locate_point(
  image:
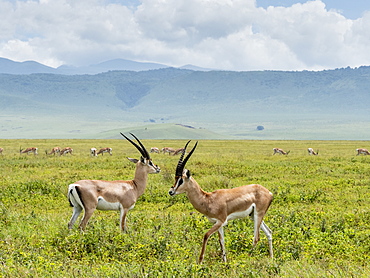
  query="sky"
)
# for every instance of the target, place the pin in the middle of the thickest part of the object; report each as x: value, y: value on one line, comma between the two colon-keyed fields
x: 237, y: 35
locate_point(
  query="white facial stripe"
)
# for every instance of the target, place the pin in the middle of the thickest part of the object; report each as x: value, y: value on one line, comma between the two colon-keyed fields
x: 178, y: 183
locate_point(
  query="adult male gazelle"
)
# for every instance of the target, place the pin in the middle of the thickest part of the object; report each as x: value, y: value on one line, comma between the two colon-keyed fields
x: 28, y: 150
x: 223, y: 205
x: 362, y: 151
x: 104, y: 150
x: 66, y: 150
x: 312, y: 152
x: 121, y: 195
x: 53, y: 151
x: 280, y: 151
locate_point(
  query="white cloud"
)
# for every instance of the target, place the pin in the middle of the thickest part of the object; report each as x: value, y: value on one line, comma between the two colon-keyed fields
x: 224, y: 34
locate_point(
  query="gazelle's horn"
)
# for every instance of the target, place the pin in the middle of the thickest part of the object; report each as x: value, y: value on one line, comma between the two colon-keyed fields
x: 141, y: 149
x: 147, y: 156
x: 181, y: 164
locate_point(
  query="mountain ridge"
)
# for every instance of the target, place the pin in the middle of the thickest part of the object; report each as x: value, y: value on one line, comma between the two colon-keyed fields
x: 8, y: 66
x: 328, y: 105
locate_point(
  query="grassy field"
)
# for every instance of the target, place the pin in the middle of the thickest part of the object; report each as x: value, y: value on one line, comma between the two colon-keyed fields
x: 320, y: 216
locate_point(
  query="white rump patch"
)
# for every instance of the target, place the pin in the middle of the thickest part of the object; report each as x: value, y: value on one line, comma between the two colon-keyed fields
x: 104, y: 205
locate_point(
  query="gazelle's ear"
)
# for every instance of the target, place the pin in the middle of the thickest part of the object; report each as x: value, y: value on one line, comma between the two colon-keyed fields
x: 133, y: 160
x: 188, y: 174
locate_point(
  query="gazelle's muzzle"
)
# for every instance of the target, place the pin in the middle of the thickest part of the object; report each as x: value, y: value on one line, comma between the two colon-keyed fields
x: 174, y: 188
x: 157, y: 168
x: 172, y: 191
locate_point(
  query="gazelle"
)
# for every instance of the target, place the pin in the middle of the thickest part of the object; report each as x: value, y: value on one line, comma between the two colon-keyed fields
x: 121, y: 195
x: 168, y: 150
x: 280, y: 151
x: 93, y: 151
x: 28, y: 150
x: 53, y: 151
x: 312, y: 152
x: 223, y: 205
x: 154, y: 150
x: 1, y: 151
x: 104, y: 150
x: 178, y: 151
x: 362, y: 151
x: 66, y: 150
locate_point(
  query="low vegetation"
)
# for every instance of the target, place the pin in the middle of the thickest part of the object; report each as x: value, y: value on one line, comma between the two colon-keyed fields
x: 320, y: 216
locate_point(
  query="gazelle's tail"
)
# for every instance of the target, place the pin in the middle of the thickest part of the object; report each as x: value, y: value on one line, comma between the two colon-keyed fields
x: 74, y: 196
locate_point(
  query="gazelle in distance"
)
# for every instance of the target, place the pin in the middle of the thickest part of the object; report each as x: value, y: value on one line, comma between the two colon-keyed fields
x: 53, y: 151
x: 280, y: 151
x: 312, y: 152
x: 29, y: 150
x: 168, y: 150
x: 362, y: 151
x: 178, y: 151
x: 223, y: 205
x: 1, y: 151
x: 154, y: 150
x: 104, y: 150
x: 93, y: 151
x: 120, y: 195
x: 66, y: 150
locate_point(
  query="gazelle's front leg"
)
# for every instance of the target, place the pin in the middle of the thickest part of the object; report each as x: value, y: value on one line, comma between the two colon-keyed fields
x: 222, y: 243
x: 206, y: 237
x: 87, y: 215
x: 123, y: 214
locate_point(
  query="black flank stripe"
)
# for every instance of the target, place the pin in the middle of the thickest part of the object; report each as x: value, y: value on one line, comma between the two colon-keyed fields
x: 79, y: 195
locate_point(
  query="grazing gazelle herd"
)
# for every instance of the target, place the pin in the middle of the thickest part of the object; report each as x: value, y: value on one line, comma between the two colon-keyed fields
x: 95, y: 152
x: 220, y: 206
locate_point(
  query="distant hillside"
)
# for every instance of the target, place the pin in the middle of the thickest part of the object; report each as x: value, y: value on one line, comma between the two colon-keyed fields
x: 162, y: 131
x: 29, y: 67
x: 331, y: 104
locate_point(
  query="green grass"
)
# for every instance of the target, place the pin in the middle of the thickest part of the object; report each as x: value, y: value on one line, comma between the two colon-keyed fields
x: 320, y: 216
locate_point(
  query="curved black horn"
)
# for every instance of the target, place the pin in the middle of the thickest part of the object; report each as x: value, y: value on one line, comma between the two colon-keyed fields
x: 147, y: 156
x: 181, y: 164
x: 142, y: 149
x: 179, y: 167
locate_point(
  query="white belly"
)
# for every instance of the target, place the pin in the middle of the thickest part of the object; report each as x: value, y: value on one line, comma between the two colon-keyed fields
x: 104, y: 205
x: 241, y: 214
x: 235, y: 215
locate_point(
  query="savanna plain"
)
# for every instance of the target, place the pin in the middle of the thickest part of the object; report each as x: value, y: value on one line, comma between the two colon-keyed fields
x: 320, y: 215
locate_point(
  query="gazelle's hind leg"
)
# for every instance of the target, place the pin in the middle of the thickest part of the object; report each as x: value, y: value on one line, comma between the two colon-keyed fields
x: 257, y: 224
x: 88, y: 213
x: 268, y: 233
x: 76, y: 212
x: 257, y: 219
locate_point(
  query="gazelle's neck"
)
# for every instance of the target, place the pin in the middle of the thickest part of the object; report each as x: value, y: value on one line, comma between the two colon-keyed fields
x: 197, y: 196
x: 140, y: 179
